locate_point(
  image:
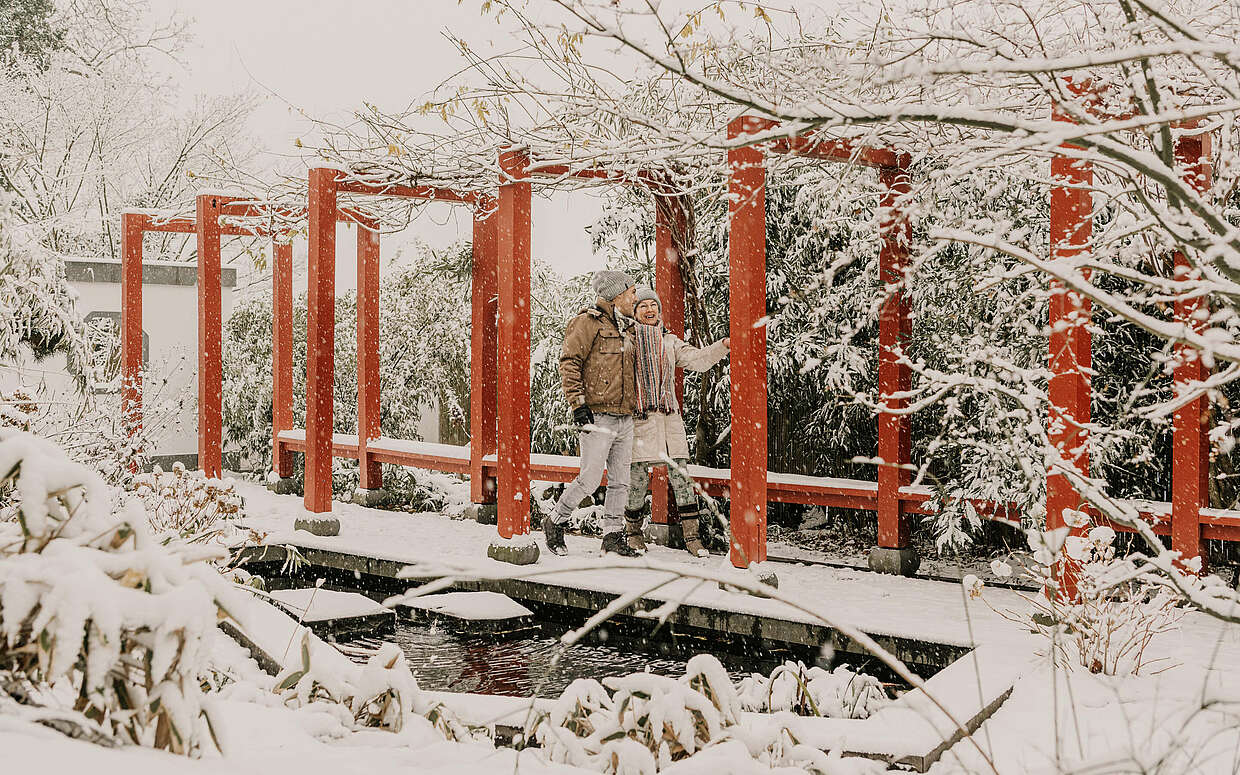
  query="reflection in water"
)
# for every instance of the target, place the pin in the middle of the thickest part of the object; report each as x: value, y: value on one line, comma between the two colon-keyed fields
x: 517, y: 667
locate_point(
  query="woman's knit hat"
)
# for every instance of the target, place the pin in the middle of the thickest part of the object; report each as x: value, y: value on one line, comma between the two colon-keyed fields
x: 645, y: 292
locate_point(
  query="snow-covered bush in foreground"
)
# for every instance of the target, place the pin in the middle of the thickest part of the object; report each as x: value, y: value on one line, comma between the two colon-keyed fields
x: 105, y: 628
x: 97, y: 618
x: 838, y: 693
x: 383, y: 693
x: 186, y: 503
x: 1118, y: 610
x: 643, y: 723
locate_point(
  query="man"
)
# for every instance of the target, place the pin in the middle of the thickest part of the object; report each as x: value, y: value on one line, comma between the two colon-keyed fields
x: 597, y: 372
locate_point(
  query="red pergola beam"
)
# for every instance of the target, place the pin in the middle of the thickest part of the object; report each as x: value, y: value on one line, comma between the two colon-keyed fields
x: 565, y: 171
x: 747, y: 278
x: 323, y: 212
x: 747, y: 315
x: 281, y: 355
x: 513, y: 275
x: 1190, y: 445
x: 669, y: 218
x: 433, y: 193
x: 131, y: 323
x: 320, y: 338
x: 1070, y: 358
x: 484, y: 357
x: 370, y: 472
x: 210, y: 335
x: 838, y: 150
x: 894, y: 441
x: 186, y: 226
x: 208, y: 230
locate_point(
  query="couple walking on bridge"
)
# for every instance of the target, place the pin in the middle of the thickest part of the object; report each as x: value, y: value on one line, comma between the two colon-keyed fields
x: 618, y: 370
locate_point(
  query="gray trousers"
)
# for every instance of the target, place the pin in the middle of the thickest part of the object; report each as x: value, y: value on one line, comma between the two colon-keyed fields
x: 608, y: 443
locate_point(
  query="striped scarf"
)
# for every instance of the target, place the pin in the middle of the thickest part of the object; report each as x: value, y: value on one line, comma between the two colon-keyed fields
x: 655, y: 381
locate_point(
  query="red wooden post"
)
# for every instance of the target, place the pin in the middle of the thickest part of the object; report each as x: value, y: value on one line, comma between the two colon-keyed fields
x: 320, y: 339
x: 131, y: 323
x: 371, y: 473
x: 747, y: 288
x: 1071, y: 228
x: 668, y: 217
x: 281, y: 354
x: 894, y: 529
x: 210, y: 328
x: 513, y: 248
x: 483, y: 360
x: 1190, y: 446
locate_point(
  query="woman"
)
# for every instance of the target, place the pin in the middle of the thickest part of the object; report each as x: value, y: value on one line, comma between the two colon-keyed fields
x: 658, y: 427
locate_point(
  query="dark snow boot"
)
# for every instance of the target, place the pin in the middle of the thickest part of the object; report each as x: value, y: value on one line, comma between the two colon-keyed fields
x: 689, y: 529
x: 616, y: 543
x: 554, y: 535
x: 633, y: 530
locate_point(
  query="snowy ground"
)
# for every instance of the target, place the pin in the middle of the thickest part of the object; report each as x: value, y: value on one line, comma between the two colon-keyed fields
x: 261, y: 740
x: 1047, y: 725
x: 1182, y: 720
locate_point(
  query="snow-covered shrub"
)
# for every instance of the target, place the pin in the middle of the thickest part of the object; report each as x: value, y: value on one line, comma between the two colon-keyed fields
x: 100, y: 622
x: 813, y: 691
x: 17, y: 409
x: 383, y: 693
x: 416, y: 490
x: 38, y: 308
x: 1118, y: 609
x: 640, y: 724
x: 186, y: 503
x: 105, y: 628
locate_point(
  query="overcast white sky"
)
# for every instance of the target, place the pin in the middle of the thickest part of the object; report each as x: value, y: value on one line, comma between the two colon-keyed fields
x: 326, y: 57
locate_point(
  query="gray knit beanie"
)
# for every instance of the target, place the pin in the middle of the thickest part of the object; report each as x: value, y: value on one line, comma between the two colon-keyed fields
x: 609, y: 284
x: 645, y: 292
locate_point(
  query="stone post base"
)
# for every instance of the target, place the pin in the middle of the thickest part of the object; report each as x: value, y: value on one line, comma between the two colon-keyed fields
x: 659, y: 534
x: 523, y: 554
x: 319, y: 525
x: 286, y: 485
x: 898, y: 562
x: 377, y: 498
x: 482, y: 513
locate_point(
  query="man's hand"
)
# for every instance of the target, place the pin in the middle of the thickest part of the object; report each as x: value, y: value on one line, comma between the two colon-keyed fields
x: 727, y: 343
x: 583, y: 416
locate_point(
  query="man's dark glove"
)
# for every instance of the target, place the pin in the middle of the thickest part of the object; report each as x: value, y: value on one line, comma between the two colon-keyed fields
x: 583, y: 416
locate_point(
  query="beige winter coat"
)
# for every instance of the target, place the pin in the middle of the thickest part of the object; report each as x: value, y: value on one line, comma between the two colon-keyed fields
x: 661, y: 434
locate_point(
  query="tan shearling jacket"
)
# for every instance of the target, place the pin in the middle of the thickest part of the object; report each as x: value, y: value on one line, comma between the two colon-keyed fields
x: 598, y: 362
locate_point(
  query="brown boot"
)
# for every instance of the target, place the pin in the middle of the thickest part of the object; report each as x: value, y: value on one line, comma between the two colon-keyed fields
x: 633, y: 531
x: 693, y: 542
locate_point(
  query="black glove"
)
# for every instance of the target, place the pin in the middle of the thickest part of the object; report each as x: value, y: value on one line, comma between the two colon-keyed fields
x: 583, y: 416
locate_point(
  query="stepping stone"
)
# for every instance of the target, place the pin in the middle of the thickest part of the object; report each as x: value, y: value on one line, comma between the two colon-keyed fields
x: 471, y: 612
x: 335, y: 614
x: 274, y: 639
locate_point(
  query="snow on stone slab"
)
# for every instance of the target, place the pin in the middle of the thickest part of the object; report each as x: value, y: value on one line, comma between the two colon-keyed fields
x: 278, y: 636
x: 322, y: 605
x: 471, y: 606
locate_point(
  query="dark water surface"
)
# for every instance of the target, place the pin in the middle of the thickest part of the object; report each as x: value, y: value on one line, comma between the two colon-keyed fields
x: 523, y: 666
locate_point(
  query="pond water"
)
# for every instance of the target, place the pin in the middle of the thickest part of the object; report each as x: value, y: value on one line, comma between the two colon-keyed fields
x: 525, y: 665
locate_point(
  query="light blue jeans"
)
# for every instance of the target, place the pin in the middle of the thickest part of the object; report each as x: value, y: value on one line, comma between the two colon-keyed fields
x: 607, y: 444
